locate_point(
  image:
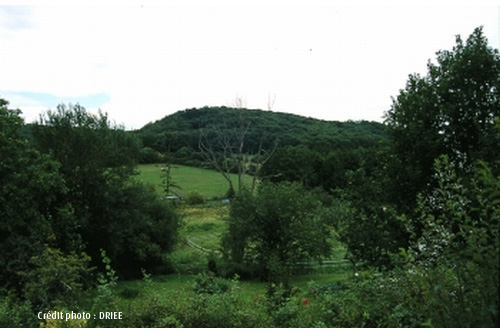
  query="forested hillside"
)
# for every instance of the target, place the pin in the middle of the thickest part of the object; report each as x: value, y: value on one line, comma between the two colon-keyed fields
x: 179, y: 134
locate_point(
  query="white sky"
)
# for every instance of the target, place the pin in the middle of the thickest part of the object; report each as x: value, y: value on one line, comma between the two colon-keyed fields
x: 139, y: 63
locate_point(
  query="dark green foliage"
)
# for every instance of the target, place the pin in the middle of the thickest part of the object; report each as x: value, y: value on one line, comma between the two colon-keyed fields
x: 374, y: 232
x: 293, y: 164
x: 90, y: 150
x: 450, y: 111
x: 450, y: 273
x: 148, y: 155
x: 369, y: 225
x: 336, y: 165
x: 55, y: 280
x: 195, y: 198
x: 139, y: 230
x: 114, y: 213
x: 329, y: 171
x: 210, y: 284
x: 15, y: 312
x: 457, y: 248
x: 270, y: 230
x: 32, y: 211
x: 76, y: 194
x: 179, y: 133
x: 91, y: 154
x: 129, y: 293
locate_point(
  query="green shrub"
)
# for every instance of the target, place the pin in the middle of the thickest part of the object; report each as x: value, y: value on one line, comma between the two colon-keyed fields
x: 218, y: 303
x: 56, y: 279
x: 213, y: 302
x: 195, y: 198
x: 210, y: 284
x: 16, y: 313
x: 129, y: 293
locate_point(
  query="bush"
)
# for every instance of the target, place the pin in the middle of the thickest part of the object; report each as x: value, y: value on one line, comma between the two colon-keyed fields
x: 16, y: 313
x: 129, y: 293
x: 213, y: 302
x: 56, y: 279
x: 148, y: 155
x: 195, y: 198
x: 218, y: 303
x: 209, y: 284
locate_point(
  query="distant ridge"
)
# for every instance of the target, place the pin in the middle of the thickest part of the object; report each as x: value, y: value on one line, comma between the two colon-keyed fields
x: 182, y: 129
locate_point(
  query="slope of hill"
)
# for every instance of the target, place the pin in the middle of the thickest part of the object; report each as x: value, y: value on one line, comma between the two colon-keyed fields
x: 181, y: 131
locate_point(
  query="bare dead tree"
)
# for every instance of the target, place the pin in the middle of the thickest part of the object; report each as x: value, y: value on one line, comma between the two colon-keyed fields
x: 239, y: 103
x: 270, y: 102
x: 224, y: 148
x: 215, y: 147
x: 261, y: 157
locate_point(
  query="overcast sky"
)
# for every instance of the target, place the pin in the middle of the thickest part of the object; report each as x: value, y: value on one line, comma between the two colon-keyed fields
x: 140, y: 63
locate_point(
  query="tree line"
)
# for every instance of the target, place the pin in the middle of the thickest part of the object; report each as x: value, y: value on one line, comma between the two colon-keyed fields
x: 68, y: 196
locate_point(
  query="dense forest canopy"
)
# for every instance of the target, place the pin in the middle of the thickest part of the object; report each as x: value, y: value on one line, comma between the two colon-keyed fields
x: 180, y: 132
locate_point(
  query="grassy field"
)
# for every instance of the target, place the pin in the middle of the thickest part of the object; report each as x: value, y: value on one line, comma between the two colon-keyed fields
x: 205, y: 225
x: 202, y: 227
x: 210, y: 183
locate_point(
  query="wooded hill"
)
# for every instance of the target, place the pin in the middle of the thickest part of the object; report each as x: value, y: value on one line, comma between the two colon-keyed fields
x: 180, y: 133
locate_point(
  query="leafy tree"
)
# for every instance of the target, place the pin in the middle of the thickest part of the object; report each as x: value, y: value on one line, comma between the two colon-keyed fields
x: 139, y: 229
x: 449, y: 111
x: 457, y: 249
x: 149, y: 155
x: 87, y: 146
x: 449, y: 276
x: 32, y: 209
x: 372, y: 232
x: 336, y: 164
x: 371, y: 229
x: 293, y: 164
x: 114, y: 213
x: 270, y: 230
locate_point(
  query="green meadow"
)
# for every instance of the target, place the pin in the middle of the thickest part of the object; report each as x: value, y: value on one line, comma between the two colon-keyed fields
x: 210, y: 183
